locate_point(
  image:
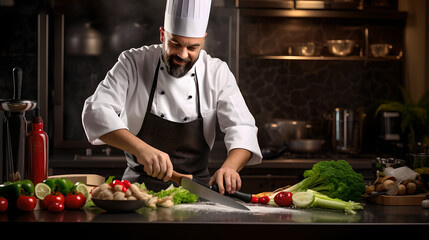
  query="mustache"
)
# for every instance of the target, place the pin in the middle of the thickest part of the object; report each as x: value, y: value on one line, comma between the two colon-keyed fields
x: 179, y: 59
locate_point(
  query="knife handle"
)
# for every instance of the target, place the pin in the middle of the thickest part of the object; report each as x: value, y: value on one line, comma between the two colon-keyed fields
x: 245, y: 197
x: 177, y: 177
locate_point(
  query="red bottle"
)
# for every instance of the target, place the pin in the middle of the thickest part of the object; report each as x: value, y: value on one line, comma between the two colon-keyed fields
x: 37, y: 152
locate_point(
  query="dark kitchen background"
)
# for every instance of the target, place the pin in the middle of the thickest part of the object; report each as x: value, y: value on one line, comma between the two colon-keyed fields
x: 66, y: 47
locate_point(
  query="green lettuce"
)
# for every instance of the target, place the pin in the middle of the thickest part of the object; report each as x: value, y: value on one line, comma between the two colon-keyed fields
x: 181, y: 195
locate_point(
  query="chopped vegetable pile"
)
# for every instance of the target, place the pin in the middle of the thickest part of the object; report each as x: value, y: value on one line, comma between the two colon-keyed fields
x: 124, y: 190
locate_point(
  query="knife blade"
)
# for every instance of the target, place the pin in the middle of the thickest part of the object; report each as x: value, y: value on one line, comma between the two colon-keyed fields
x: 210, y: 195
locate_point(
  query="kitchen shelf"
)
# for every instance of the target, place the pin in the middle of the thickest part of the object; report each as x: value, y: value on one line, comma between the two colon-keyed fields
x: 324, y: 58
x: 323, y: 14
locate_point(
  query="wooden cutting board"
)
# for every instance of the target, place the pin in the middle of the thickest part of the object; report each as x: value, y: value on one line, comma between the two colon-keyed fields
x: 399, y: 200
x: 88, y: 179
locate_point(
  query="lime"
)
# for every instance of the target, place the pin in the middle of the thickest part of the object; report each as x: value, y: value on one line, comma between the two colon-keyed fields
x: 82, y: 188
x: 41, y: 190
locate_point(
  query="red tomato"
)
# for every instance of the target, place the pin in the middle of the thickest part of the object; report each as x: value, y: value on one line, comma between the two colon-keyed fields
x: 264, y: 199
x: 56, y: 207
x: 283, y: 199
x: 75, y: 201
x: 52, y: 198
x: 3, y: 204
x: 117, y: 182
x: 126, y: 183
x: 26, y: 203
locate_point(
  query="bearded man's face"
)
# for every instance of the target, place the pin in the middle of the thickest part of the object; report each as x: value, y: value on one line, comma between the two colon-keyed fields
x: 179, y: 53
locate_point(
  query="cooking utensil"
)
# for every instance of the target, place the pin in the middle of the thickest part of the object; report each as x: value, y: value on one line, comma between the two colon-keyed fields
x: 205, y: 192
x: 307, y: 49
x: 84, y: 39
x: 347, y: 130
x: 15, y: 131
x: 282, y: 130
x: 119, y: 205
x: 272, y: 153
x: 341, y: 47
x: 380, y: 49
x: 306, y: 145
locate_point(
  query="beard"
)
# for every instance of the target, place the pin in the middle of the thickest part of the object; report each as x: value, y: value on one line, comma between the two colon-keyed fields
x: 174, y: 69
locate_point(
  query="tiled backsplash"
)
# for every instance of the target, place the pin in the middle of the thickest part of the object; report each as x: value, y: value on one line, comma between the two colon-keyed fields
x: 308, y: 90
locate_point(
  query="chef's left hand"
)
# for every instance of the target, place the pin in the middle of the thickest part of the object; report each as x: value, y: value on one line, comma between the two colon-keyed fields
x: 227, y: 179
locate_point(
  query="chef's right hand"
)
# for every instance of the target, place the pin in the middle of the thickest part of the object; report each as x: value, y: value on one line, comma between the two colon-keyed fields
x: 156, y: 163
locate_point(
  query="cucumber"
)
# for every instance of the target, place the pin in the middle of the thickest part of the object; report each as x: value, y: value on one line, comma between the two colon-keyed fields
x: 302, y: 199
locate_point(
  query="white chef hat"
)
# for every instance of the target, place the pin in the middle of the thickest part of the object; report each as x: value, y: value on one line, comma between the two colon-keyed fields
x: 187, y: 18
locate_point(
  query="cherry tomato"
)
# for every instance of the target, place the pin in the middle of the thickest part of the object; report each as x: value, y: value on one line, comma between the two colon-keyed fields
x: 56, y: 207
x: 126, y: 183
x: 254, y: 199
x: 3, y: 204
x: 264, y: 199
x: 283, y: 199
x: 26, y: 203
x: 52, y: 198
x: 117, y: 182
x: 75, y: 201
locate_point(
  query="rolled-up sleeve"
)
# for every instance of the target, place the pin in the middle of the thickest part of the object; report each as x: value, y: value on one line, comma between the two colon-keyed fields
x: 235, y: 119
x: 102, y: 111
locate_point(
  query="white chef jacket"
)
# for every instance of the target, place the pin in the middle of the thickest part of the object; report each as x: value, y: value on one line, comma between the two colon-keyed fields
x: 120, y: 100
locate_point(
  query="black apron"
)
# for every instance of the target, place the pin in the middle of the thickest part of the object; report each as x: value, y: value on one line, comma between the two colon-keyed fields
x: 183, y: 142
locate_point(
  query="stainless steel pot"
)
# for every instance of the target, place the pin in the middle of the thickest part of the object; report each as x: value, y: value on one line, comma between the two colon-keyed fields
x: 83, y: 39
x: 306, y: 145
x: 347, y: 130
x: 281, y: 131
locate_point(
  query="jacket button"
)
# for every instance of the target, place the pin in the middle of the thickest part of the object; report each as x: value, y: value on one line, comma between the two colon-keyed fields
x: 162, y: 115
x: 185, y: 119
x: 190, y: 97
x: 162, y: 68
x: 193, y: 75
x: 162, y: 92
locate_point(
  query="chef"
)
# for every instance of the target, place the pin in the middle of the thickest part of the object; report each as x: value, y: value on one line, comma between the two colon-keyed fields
x: 160, y: 104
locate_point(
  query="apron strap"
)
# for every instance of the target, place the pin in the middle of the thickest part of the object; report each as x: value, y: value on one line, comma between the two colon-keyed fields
x: 198, y: 94
x: 152, y: 91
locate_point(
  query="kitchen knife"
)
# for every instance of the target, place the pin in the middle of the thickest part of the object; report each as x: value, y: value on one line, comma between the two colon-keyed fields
x: 205, y: 192
x: 245, y: 197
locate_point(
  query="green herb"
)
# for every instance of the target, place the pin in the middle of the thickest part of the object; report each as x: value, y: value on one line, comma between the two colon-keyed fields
x: 181, y: 195
x: 110, y: 179
x: 414, y: 116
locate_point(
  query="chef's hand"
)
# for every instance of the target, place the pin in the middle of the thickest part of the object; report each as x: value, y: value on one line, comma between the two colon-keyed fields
x: 227, y: 179
x: 156, y: 163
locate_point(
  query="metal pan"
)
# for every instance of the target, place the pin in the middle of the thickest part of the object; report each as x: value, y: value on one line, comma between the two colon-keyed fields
x: 306, y: 145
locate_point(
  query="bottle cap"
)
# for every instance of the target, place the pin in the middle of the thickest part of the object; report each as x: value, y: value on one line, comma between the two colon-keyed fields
x: 38, y: 119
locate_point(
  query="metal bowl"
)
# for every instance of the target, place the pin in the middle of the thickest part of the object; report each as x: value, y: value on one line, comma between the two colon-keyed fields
x: 306, y: 145
x: 341, y: 47
x: 380, y: 49
x: 307, y: 49
x: 119, y: 205
x: 14, y: 105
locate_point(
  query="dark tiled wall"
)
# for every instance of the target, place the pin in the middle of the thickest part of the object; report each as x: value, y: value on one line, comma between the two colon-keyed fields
x: 310, y: 89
